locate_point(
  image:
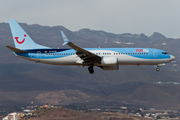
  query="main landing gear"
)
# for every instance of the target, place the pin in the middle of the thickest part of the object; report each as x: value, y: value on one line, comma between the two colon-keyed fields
x: 157, y: 69
x: 90, y: 68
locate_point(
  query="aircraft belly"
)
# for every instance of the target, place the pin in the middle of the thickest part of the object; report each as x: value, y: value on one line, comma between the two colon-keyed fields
x: 122, y: 60
x: 70, y: 60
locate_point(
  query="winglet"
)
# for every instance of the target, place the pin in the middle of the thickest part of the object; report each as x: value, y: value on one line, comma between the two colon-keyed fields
x: 64, y: 38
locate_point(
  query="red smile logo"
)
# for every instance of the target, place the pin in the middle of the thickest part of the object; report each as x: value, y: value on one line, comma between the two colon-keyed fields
x: 18, y: 40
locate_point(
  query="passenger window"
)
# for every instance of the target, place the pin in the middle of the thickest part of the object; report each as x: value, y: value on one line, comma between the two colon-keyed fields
x: 164, y: 53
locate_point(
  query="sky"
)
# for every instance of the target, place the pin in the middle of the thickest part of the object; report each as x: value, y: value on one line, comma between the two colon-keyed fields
x: 114, y: 16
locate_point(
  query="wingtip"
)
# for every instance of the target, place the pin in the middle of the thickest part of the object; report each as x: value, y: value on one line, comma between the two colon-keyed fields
x: 11, y: 20
x: 64, y: 38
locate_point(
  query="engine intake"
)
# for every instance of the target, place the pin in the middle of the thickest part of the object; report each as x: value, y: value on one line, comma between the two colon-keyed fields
x: 109, y: 61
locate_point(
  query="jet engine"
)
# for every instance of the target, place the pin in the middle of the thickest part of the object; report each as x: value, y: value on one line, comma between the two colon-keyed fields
x: 109, y: 61
x: 110, y: 67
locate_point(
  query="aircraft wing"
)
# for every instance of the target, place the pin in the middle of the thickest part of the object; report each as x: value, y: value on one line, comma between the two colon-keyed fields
x: 85, y: 55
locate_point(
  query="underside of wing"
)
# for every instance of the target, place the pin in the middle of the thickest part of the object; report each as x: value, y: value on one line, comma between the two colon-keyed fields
x: 85, y: 55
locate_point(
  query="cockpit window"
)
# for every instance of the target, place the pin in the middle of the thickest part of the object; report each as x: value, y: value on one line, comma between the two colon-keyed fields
x: 164, y: 53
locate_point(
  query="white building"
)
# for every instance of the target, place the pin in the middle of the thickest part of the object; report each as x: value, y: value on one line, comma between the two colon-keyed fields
x: 11, y: 116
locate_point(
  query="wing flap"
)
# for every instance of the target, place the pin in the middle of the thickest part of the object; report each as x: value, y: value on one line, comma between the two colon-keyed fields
x: 85, y: 55
x: 81, y: 50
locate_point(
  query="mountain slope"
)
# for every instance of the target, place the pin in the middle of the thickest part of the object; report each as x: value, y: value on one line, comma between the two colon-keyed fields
x: 130, y: 85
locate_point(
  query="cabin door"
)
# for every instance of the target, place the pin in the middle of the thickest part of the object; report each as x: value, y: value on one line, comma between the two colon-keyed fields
x: 155, y: 54
x: 38, y: 54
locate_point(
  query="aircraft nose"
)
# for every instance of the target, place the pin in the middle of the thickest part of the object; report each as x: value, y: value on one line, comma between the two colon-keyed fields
x: 172, y: 57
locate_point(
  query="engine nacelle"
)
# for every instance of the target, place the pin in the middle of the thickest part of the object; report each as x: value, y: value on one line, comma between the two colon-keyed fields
x: 109, y: 61
x: 110, y: 67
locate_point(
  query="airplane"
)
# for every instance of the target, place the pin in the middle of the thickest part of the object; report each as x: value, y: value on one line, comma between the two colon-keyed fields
x: 105, y: 58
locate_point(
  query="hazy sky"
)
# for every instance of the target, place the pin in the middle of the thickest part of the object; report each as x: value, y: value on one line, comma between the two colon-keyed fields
x: 115, y: 16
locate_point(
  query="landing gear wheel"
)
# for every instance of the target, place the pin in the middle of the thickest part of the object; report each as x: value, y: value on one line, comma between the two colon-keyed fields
x: 91, y: 70
x: 157, y: 69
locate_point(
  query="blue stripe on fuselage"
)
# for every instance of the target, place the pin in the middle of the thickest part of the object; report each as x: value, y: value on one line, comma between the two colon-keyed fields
x: 143, y: 53
x: 46, y: 50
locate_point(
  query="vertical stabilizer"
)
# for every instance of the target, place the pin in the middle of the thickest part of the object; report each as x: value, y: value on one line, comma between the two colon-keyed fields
x: 21, y: 38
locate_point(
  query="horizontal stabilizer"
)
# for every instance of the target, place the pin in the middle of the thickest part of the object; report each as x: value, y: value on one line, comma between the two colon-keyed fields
x: 16, y: 50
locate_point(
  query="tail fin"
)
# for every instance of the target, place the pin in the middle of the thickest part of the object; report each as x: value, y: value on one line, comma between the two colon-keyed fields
x: 21, y: 38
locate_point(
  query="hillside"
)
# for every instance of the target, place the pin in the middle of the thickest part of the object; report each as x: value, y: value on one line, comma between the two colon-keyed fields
x: 68, y: 114
x: 23, y: 80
